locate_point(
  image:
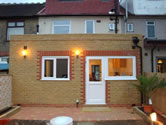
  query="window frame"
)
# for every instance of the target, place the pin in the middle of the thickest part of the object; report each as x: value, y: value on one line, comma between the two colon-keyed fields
x: 128, y: 29
x: 15, y: 26
x: 53, y: 25
x: 107, y: 77
x: 111, y: 27
x: 147, y: 29
x: 93, y: 26
x: 54, y: 58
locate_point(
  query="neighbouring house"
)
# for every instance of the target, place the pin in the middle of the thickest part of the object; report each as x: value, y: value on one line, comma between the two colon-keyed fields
x: 79, y: 16
x: 16, y: 19
x: 148, y: 17
x: 60, y: 70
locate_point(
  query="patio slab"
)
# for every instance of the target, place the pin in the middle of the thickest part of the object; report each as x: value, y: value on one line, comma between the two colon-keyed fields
x: 78, y: 115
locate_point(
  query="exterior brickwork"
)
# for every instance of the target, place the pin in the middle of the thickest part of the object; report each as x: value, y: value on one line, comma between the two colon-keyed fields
x: 29, y: 89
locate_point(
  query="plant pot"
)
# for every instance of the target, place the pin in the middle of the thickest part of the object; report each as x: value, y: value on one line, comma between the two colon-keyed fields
x: 148, y: 108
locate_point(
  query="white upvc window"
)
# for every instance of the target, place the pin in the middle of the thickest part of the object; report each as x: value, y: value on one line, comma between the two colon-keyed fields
x: 15, y: 28
x: 4, y: 59
x: 55, y: 68
x: 61, y: 27
x: 89, y: 26
x: 130, y: 27
x: 112, y: 27
x: 150, y: 29
x: 121, y: 68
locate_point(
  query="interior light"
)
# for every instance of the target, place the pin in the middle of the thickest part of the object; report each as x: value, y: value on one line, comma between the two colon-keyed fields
x: 160, y: 61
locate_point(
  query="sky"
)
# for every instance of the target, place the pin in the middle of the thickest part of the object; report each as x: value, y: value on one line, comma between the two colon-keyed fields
x: 21, y: 1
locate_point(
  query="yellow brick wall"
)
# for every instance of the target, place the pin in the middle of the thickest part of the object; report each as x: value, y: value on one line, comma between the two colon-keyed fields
x: 27, y: 89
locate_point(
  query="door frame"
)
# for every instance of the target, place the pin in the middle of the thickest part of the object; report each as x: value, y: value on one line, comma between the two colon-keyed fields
x: 87, y: 79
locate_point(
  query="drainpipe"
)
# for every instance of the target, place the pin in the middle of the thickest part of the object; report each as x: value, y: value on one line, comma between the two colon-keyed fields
x: 136, y: 41
x: 116, y: 2
x: 152, y: 55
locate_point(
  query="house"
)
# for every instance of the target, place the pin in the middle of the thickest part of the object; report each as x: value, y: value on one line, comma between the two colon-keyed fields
x: 16, y: 19
x: 65, y: 69
x: 78, y: 16
x: 75, y: 58
x: 148, y: 18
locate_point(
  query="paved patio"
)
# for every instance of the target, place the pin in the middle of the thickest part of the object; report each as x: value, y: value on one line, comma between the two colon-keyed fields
x: 47, y: 113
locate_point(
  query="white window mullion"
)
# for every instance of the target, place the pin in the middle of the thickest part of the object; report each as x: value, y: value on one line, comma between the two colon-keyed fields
x: 54, y: 67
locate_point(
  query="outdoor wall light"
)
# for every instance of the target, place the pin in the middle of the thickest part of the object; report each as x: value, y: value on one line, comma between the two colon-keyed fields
x: 24, y: 52
x: 77, y: 52
x: 153, y: 117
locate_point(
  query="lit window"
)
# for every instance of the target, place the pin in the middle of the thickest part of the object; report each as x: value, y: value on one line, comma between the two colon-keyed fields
x: 150, y: 29
x: 89, y: 27
x: 161, y: 65
x: 130, y: 28
x: 121, y: 68
x: 61, y: 27
x: 55, y: 68
x: 15, y: 28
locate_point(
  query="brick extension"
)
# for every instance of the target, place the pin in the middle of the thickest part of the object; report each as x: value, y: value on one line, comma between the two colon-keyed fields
x: 29, y: 89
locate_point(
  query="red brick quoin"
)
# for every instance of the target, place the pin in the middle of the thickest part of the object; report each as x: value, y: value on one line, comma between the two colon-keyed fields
x: 135, y: 53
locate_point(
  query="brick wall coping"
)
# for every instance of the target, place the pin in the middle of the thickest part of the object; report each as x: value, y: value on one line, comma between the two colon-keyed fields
x: 75, y: 37
x: 5, y: 75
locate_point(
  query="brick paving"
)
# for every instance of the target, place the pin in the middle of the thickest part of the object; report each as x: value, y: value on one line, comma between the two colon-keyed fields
x: 47, y: 113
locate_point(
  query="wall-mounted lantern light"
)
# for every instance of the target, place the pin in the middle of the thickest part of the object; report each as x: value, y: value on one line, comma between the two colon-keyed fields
x: 77, y: 52
x: 24, y: 51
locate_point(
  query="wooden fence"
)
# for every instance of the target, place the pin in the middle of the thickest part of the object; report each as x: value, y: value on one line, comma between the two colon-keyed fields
x: 159, y: 97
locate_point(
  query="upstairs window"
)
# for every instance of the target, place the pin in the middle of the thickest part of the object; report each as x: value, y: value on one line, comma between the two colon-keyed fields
x: 15, y: 28
x: 112, y: 27
x: 89, y: 27
x: 130, y: 28
x: 55, y: 68
x: 61, y: 27
x: 150, y: 29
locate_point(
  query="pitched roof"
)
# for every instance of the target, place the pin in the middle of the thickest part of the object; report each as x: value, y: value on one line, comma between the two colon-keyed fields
x: 19, y: 10
x: 81, y: 7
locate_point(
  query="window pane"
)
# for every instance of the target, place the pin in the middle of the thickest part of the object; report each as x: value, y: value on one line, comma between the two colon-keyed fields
x: 15, y: 31
x: 61, y: 29
x: 62, y: 68
x: 62, y: 22
x: 130, y: 27
x: 20, y: 23
x: 95, y: 69
x: 48, y: 72
x: 89, y: 27
x: 151, y: 31
x: 11, y: 24
x: 120, y: 67
x: 151, y: 23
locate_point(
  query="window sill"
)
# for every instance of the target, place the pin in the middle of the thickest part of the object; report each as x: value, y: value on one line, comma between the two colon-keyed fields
x: 43, y: 79
x: 121, y: 78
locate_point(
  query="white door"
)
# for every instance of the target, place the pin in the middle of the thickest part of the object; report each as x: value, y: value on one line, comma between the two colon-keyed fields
x: 95, y: 83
